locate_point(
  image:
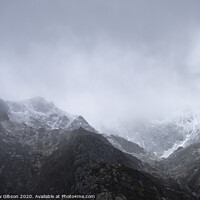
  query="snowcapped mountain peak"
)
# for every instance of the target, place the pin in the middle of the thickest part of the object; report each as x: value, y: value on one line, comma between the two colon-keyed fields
x: 189, y: 120
x: 39, y: 113
x: 178, y: 130
x: 163, y: 136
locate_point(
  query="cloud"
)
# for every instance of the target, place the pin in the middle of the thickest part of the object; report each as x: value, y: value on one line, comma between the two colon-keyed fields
x: 193, y: 59
x: 112, y: 62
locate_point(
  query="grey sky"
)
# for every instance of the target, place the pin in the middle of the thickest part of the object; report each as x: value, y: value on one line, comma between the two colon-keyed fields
x: 109, y: 60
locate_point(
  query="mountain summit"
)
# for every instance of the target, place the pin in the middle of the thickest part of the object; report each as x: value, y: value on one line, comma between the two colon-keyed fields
x: 39, y: 113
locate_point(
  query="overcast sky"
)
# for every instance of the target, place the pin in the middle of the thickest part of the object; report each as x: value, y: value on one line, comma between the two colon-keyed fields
x: 108, y: 60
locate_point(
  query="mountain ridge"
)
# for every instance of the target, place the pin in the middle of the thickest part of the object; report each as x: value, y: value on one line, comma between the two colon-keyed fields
x: 39, y: 113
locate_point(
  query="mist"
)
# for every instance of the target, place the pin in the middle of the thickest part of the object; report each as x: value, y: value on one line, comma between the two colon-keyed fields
x: 111, y: 61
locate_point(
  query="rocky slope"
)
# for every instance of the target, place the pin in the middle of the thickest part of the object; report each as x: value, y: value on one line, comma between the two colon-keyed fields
x: 184, y: 166
x: 79, y: 162
x: 131, y: 148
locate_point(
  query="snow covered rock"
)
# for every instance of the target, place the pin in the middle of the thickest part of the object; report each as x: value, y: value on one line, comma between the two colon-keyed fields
x: 38, y: 113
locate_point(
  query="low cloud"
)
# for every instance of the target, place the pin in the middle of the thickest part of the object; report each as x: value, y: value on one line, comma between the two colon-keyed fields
x: 116, y: 74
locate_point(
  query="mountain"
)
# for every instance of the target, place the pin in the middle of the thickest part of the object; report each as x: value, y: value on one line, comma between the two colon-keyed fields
x: 98, y: 168
x: 163, y: 137
x: 79, y: 162
x: 38, y: 113
x: 159, y: 137
x: 184, y: 166
x: 42, y: 153
x: 130, y: 148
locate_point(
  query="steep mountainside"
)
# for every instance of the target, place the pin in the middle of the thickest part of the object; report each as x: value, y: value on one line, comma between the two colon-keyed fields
x: 78, y: 162
x: 130, y: 148
x: 184, y: 166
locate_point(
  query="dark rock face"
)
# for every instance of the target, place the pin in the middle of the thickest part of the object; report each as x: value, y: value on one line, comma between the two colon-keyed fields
x: 77, y: 152
x: 121, y: 182
x: 77, y: 162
